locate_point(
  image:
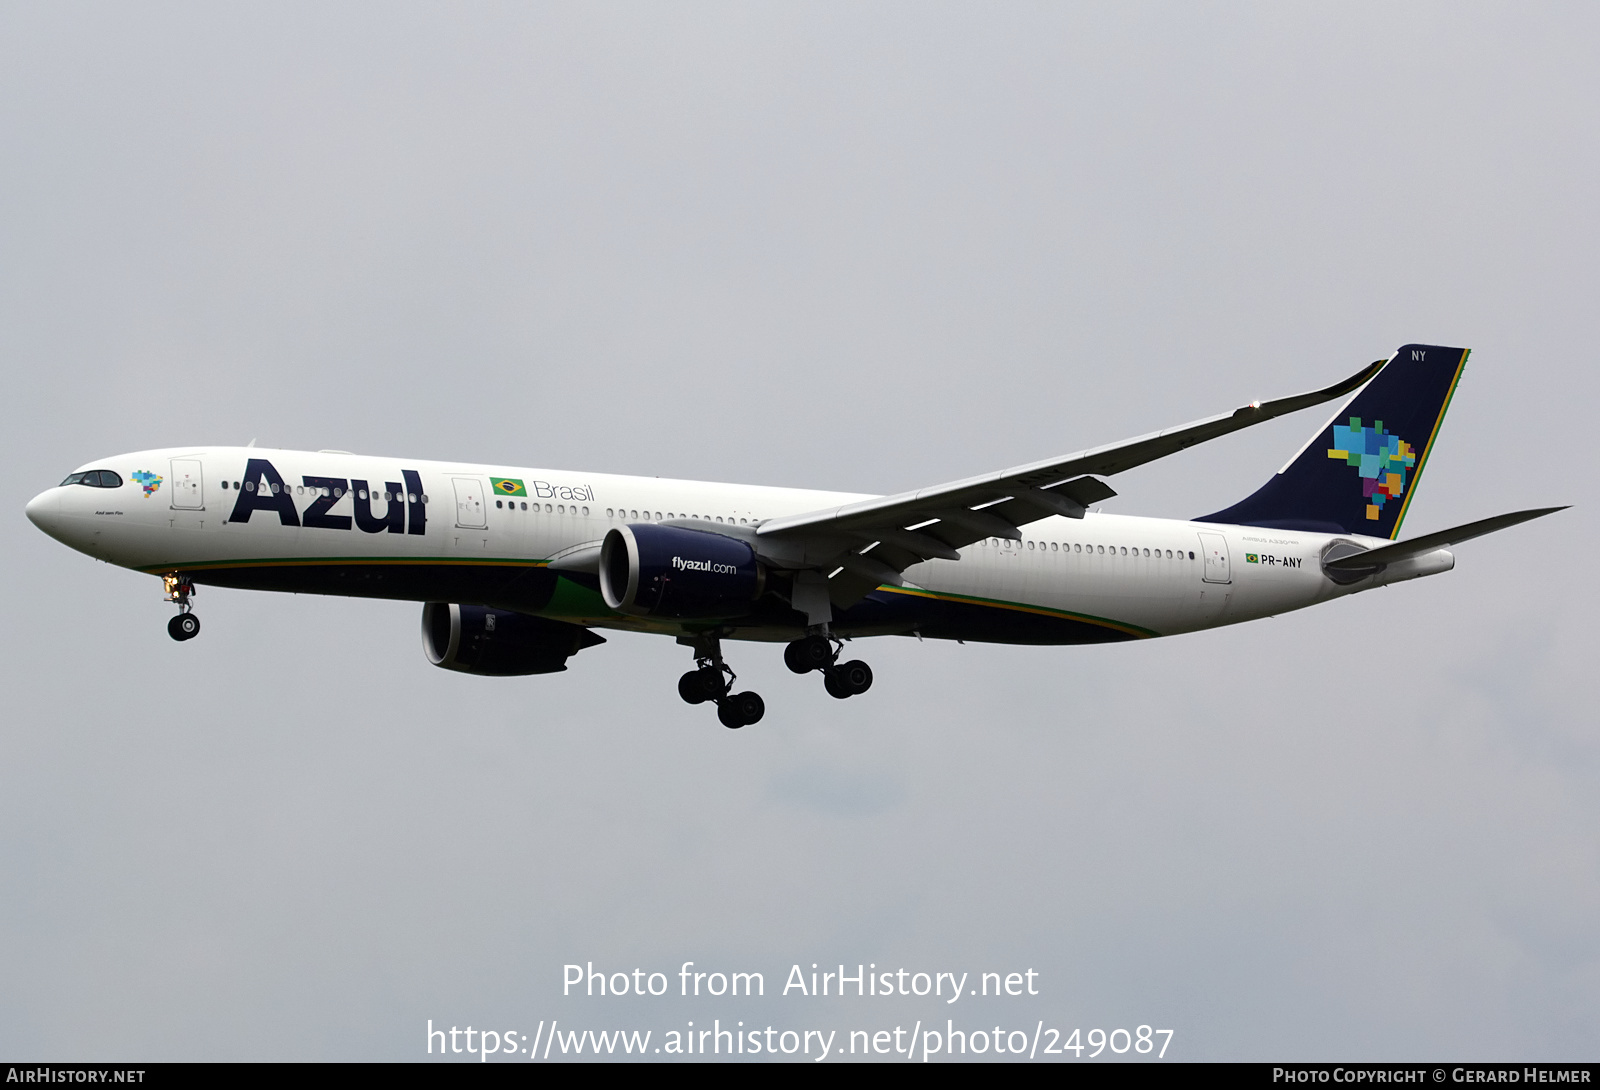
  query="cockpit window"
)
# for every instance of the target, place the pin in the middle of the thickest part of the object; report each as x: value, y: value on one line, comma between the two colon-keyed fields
x: 95, y: 478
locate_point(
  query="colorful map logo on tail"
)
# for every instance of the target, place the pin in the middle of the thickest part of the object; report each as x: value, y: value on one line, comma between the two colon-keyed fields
x: 1383, y: 461
x: 149, y: 481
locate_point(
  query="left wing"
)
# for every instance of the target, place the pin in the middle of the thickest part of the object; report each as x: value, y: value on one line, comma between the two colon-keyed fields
x: 859, y: 546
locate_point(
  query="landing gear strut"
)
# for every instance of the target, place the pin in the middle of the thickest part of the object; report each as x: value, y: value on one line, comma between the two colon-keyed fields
x: 185, y: 626
x: 817, y: 651
x: 712, y: 679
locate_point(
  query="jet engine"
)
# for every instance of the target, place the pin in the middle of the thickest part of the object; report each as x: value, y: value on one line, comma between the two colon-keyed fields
x: 499, y: 642
x: 670, y: 571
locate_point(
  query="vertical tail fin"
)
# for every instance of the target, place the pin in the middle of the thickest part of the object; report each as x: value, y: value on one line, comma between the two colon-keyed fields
x: 1358, y: 474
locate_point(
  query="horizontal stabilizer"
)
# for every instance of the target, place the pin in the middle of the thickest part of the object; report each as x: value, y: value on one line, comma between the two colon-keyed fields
x: 1427, y: 543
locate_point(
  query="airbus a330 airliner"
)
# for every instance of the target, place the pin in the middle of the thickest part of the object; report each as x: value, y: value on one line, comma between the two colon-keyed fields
x: 516, y: 567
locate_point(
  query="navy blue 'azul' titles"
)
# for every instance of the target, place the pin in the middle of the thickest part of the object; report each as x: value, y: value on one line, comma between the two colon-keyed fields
x: 262, y: 488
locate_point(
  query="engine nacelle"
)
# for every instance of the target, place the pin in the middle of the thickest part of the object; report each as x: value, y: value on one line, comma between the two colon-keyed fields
x: 668, y: 571
x: 498, y: 642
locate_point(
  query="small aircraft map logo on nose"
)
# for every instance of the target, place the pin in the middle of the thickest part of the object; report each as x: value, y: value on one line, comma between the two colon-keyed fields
x: 149, y: 481
x: 508, y: 486
x: 1382, y: 460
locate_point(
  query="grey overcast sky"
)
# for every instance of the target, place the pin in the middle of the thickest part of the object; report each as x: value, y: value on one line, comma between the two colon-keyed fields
x: 852, y: 246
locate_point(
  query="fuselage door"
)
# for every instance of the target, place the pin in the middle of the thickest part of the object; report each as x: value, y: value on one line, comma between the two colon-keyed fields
x: 470, y: 510
x: 1214, y: 548
x: 186, y: 491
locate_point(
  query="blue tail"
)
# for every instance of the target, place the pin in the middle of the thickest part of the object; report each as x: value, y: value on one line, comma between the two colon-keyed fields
x: 1358, y: 474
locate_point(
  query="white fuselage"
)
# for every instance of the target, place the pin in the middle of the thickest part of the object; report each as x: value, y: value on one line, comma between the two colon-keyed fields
x: 447, y: 531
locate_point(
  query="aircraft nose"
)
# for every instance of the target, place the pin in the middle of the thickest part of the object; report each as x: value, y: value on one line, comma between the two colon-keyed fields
x: 44, y: 511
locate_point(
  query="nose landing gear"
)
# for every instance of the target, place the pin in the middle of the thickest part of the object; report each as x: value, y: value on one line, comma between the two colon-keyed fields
x: 817, y: 652
x: 712, y: 679
x: 185, y: 626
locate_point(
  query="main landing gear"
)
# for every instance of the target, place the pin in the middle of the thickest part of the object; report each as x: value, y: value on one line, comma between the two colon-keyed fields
x: 818, y: 652
x: 185, y: 626
x: 712, y: 679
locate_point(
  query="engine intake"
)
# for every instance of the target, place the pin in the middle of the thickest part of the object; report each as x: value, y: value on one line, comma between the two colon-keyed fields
x: 670, y: 571
x: 499, y: 642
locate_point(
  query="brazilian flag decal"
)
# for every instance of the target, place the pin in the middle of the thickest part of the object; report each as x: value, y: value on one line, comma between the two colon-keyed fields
x: 508, y: 486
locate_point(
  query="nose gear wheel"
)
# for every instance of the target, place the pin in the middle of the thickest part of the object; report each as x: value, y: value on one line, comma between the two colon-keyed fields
x: 185, y: 626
